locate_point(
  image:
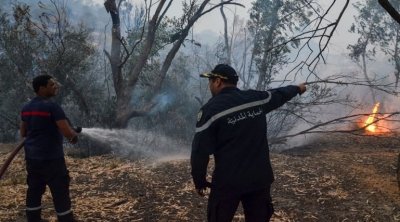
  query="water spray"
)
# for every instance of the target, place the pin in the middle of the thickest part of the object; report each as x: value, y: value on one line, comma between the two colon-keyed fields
x: 140, y: 143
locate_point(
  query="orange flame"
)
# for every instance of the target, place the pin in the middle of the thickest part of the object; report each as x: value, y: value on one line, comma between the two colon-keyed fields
x: 369, y: 123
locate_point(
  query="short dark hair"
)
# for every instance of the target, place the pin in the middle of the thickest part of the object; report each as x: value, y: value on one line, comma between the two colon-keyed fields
x: 39, y: 81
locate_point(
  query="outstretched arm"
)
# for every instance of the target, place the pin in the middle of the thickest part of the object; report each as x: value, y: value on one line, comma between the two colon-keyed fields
x: 280, y: 96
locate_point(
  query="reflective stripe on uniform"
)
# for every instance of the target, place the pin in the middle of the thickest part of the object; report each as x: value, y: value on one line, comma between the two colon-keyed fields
x: 35, y: 113
x: 232, y: 110
x: 64, y: 213
x: 34, y: 208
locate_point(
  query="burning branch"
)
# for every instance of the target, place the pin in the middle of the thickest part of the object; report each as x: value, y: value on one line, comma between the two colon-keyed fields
x: 340, y: 120
x: 369, y: 123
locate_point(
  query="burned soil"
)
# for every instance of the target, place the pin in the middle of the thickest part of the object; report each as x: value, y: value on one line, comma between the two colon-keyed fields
x: 334, y: 178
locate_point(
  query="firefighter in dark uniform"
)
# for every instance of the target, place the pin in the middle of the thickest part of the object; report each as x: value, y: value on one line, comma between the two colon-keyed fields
x: 44, y: 124
x: 232, y: 127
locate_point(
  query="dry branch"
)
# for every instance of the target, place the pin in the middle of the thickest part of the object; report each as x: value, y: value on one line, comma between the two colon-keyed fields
x: 389, y: 8
x: 380, y: 87
x: 343, y: 119
x: 321, y: 33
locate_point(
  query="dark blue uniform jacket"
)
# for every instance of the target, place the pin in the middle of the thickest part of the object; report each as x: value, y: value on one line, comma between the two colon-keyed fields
x: 232, y: 127
x: 43, y: 140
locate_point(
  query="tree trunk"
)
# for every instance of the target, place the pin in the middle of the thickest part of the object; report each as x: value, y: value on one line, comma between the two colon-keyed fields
x: 397, y: 58
x: 226, y: 39
x: 124, y: 87
x: 115, y: 61
x: 365, y: 72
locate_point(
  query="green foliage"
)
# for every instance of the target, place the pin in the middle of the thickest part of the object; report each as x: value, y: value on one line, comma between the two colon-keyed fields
x: 30, y: 46
x: 17, y: 66
x: 377, y: 32
x: 177, y: 24
x: 370, y: 25
x: 136, y: 34
x: 271, y: 23
x: 391, y: 44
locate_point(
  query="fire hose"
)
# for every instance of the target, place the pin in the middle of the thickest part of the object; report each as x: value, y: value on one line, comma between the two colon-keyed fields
x: 17, y: 149
x: 10, y: 158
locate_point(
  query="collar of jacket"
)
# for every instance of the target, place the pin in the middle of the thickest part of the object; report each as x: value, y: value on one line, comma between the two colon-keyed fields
x: 229, y: 89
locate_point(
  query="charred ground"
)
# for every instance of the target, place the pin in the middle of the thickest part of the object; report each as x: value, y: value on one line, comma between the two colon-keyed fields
x: 336, y: 178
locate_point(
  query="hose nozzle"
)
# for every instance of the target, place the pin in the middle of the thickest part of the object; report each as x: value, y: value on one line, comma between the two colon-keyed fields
x: 78, y: 129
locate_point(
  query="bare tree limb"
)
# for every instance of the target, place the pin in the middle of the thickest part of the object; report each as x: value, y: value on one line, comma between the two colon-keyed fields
x: 312, y: 130
x: 164, y: 12
x: 107, y: 54
x: 321, y: 33
x: 389, y: 8
x: 380, y: 87
x: 220, y: 4
x: 227, y: 45
x: 129, y: 53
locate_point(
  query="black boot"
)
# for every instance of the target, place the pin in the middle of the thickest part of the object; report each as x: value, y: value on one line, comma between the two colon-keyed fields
x: 66, y: 218
x: 33, y: 215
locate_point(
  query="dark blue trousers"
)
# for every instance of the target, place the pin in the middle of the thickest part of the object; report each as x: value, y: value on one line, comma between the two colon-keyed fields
x: 257, y: 205
x: 54, y: 174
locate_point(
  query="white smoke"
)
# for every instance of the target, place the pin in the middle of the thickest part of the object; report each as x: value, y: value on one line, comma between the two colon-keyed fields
x: 163, y: 102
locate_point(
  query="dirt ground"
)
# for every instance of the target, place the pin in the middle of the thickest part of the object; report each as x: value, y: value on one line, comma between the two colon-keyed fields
x: 336, y: 178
